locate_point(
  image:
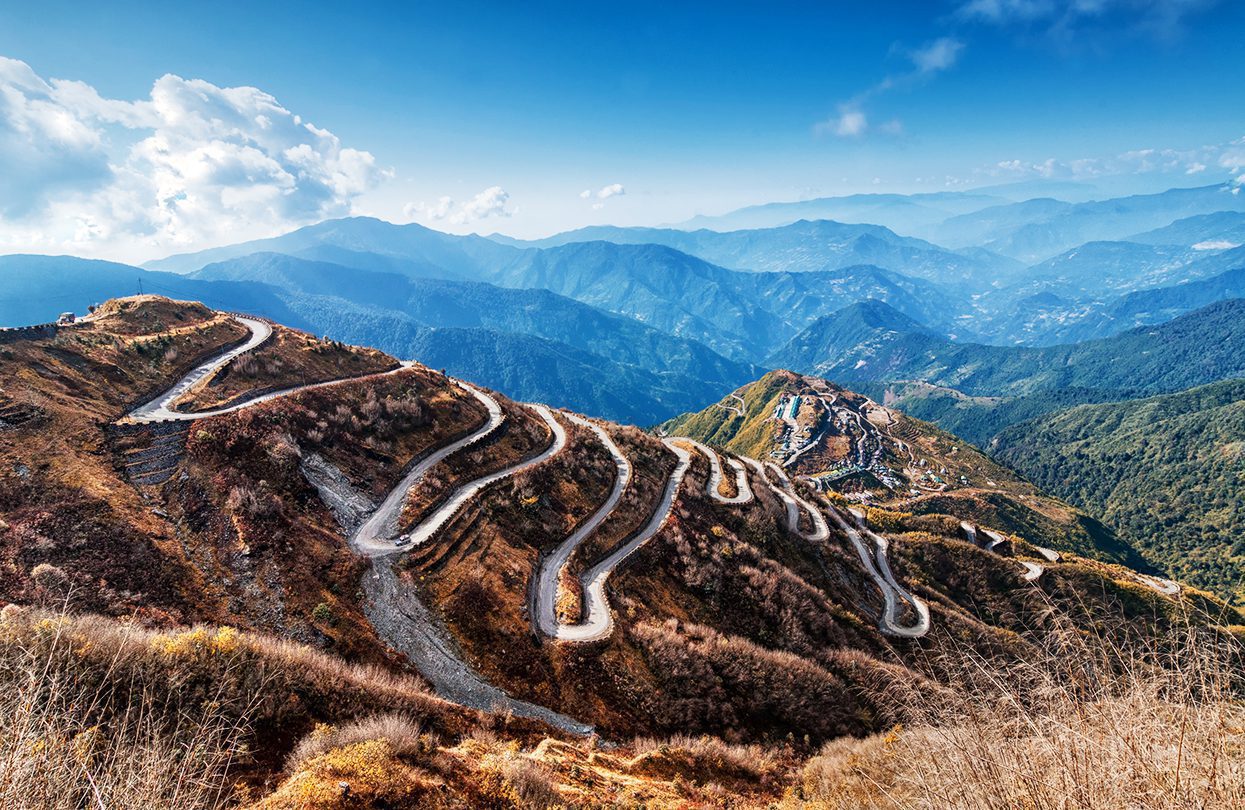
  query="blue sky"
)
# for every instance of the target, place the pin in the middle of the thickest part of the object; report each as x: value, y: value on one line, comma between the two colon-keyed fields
x: 532, y: 118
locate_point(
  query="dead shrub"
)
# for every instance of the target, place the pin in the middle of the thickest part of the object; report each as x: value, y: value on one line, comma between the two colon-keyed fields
x: 402, y: 732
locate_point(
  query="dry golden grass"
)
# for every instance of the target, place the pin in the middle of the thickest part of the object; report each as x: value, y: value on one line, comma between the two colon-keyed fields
x: 363, y: 774
x: 708, y: 758
x: 65, y: 742
x: 402, y: 733
x: 1084, y: 729
x: 95, y: 713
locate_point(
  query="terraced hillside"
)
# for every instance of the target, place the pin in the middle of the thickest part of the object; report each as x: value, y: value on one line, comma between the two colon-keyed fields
x: 876, y: 456
x: 576, y: 576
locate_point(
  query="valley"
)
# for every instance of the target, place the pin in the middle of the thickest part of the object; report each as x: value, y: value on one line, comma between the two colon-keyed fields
x: 513, y: 583
x: 513, y: 407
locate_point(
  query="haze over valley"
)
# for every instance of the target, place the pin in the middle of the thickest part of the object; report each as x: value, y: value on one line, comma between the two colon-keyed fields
x: 786, y: 408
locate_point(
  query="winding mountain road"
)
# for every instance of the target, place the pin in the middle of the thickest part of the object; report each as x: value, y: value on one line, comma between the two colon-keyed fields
x: 426, y: 528
x: 550, y: 571
x: 1031, y: 570
x: 1050, y: 554
x: 1166, y: 587
x: 599, y: 619
x: 738, y: 410
x: 396, y: 612
x: 878, y: 568
x: 786, y: 492
x: 743, y: 492
x: 376, y: 535
x: 160, y: 409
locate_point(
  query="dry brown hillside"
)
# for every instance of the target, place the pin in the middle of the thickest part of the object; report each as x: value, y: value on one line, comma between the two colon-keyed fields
x: 737, y: 643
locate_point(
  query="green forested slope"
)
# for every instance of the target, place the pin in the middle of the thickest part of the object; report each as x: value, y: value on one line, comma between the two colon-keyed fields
x: 1168, y: 472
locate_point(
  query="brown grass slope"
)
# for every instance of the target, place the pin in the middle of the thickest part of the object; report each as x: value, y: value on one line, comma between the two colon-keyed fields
x: 989, y: 493
x: 287, y: 359
x: 727, y: 624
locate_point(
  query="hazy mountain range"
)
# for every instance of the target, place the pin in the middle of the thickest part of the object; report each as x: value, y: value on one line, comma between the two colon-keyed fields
x: 647, y: 322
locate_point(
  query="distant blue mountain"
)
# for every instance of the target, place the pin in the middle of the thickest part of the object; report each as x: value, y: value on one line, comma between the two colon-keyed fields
x: 806, y: 246
x: 1036, y: 230
x: 410, y: 249
x: 742, y: 315
x: 385, y: 306
x: 1219, y: 227
x: 976, y: 390
x: 36, y: 289
x: 905, y: 213
x: 533, y: 341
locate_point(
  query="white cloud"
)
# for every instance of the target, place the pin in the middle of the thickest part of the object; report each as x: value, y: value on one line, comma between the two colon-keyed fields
x: 612, y: 190
x: 1230, y: 157
x: 1066, y: 21
x: 491, y: 202
x: 602, y: 194
x: 937, y: 55
x: 434, y: 211
x: 194, y: 164
x: 488, y: 203
x: 931, y: 58
x: 849, y: 123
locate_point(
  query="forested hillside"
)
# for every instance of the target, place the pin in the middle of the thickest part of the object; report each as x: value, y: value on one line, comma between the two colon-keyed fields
x: 974, y: 390
x: 1167, y: 472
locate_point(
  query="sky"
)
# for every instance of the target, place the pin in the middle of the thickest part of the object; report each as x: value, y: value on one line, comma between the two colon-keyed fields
x: 133, y: 130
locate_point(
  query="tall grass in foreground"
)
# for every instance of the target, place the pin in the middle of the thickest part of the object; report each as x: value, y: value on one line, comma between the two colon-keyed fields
x: 1089, y: 725
x: 96, y: 713
x: 72, y: 742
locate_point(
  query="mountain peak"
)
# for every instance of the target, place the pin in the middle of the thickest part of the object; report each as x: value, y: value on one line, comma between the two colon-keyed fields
x: 873, y: 313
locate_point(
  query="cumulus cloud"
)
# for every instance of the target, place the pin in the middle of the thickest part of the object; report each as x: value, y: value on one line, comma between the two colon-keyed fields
x: 488, y: 203
x: 1229, y: 157
x: 193, y: 164
x: 612, y: 190
x: 491, y: 202
x: 602, y: 194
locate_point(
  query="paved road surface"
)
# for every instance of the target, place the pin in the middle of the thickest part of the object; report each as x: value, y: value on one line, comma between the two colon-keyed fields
x: 600, y: 619
x: 550, y: 571
x: 738, y: 410
x: 161, y: 408
x: 429, y: 526
x: 820, y: 532
x: 1031, y: 570
x: 878, y: 568
x: 743, y: 492
x: 1164, y: 586
x: 375, y: 537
